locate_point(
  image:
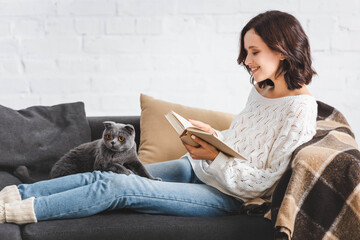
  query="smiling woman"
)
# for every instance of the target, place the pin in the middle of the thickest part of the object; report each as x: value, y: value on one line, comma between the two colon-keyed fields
x: 276, y: 36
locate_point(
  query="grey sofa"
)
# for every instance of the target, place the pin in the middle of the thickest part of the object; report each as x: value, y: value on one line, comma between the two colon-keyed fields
x: 124, y: 224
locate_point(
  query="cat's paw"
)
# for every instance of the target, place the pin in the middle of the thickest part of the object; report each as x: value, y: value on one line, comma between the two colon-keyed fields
x: 157, y: 179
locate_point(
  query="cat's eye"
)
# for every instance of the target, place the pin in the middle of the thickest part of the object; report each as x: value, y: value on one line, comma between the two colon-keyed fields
x: 108, y: 137
x: 121, y: 139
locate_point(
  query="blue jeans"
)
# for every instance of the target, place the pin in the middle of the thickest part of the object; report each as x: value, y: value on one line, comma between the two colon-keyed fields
x: 180, y: 193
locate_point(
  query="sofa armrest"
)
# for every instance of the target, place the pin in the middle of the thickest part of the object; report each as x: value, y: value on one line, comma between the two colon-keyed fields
x: 97, y: 127
x: 7, y: 179
x: 9, y: 231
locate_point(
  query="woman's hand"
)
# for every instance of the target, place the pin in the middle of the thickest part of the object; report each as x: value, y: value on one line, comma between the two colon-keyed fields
x: 204, y: 152
x: 203, y: 126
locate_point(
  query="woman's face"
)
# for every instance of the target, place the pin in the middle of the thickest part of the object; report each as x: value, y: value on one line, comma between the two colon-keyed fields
x: 262, y: 61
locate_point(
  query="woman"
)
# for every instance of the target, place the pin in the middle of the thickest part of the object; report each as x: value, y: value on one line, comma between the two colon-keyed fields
x: 279, y: 116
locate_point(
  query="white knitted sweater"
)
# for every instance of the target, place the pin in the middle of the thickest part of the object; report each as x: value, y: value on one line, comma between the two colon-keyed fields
x: 266, y: 132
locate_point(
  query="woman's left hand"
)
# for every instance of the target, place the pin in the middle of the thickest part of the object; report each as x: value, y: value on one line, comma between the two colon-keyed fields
x: 205, y: 151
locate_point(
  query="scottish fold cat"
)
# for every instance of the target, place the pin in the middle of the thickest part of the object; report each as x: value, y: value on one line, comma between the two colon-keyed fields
x: 115, y: 151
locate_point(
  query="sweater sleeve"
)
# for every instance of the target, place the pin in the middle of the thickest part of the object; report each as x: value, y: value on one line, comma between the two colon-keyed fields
x: 245, y: 180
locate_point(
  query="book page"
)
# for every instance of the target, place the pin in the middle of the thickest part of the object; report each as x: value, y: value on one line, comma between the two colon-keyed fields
x: 175, y: 123
x: 185, y: 123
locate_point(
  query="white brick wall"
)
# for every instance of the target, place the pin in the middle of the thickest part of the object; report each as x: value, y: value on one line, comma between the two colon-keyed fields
x: 107, y: 52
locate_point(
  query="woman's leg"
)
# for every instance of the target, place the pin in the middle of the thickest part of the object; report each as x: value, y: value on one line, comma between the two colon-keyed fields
x: 52, y: 186
x: 179, y: 170
x: 140, y: 194
x: 173, y: 171
x: 169, y: 198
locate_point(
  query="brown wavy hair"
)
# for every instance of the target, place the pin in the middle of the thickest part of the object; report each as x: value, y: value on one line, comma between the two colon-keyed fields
x: 282, y: 33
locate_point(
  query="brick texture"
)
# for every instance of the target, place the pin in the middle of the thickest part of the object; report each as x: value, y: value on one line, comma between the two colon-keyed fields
x: 106, y: 52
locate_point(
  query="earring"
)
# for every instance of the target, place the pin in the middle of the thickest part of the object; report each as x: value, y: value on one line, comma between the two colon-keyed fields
x: 282, y: 58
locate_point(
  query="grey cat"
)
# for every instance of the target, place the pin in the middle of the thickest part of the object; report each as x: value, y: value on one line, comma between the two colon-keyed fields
x: 115, y: 151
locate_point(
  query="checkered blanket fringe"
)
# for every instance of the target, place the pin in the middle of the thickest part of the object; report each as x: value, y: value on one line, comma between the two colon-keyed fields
x: 318, y: 197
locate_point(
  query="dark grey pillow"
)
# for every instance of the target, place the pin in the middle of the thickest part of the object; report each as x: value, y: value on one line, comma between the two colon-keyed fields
x: 38, y: 136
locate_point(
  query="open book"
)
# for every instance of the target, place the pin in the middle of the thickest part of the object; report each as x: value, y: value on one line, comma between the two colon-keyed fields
x: 185, y: 129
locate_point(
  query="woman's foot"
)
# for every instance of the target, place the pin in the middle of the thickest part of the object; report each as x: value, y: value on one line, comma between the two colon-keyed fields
x: 2, y: 213
x: 9, y: 194
x: 19, y: 212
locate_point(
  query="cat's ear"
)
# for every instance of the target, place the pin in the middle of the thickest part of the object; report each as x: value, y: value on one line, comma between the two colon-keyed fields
x: 108, y: 124
x: 129, y: 128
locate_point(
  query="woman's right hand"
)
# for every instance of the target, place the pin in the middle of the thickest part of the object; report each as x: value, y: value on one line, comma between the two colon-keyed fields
x: 203, y: 126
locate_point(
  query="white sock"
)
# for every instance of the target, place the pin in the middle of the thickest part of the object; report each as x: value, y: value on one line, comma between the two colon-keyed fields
x: 2, y: 213
x: 9, y: 194
x: 20, y: 212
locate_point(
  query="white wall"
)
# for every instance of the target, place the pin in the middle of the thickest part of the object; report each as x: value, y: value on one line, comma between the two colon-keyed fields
x: 107, y: 52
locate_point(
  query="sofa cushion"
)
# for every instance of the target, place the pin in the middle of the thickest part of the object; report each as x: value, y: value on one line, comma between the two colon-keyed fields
x: 38, y: 136
x: 122, y: 224
x: 10, y: 232
x: 159, y: 141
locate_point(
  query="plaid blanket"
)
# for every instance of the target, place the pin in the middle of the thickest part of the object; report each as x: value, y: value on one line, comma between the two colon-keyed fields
x: 318, y: 197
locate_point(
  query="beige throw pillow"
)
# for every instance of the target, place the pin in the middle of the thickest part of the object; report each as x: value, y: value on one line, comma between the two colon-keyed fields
x: 159, y: 141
